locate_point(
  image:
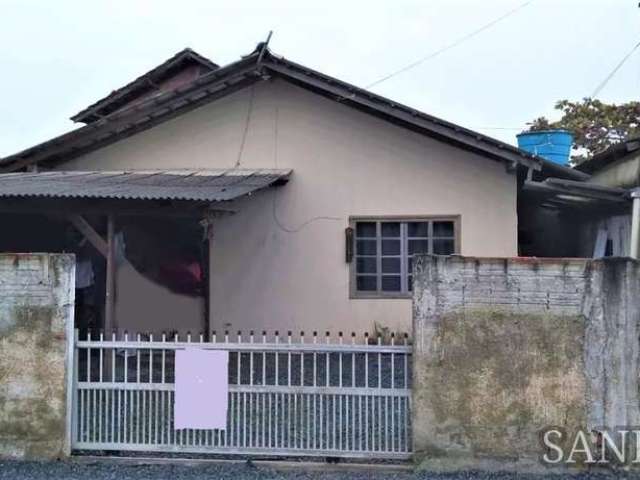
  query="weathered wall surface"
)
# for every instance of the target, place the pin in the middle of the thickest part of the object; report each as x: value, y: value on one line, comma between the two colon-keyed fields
x: 285, y: 245
x: 611, y: 309
x: 506, y: 347
x: 36, y: 309
x: 623, y: 173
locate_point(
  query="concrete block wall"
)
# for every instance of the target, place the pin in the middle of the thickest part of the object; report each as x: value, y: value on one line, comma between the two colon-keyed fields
x: 506, y: 347
x: 36, y: 317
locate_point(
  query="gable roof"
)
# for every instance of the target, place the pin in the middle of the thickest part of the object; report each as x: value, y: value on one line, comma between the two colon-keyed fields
x: 148, y: 82
x: 259, y: 65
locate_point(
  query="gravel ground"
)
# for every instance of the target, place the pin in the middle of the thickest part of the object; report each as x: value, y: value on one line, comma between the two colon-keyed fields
x: 115, y: 471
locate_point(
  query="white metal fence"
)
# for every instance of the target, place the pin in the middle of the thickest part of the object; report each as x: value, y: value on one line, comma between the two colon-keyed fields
x: 315, y: 396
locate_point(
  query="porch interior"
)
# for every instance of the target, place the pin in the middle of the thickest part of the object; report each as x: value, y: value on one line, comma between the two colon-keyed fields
x: 571, y: 219
x: 142, y: 260
x: 160, y: 269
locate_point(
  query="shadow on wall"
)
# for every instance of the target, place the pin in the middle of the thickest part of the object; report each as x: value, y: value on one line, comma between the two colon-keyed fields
x: 143, y: 306
x: 160, y: 287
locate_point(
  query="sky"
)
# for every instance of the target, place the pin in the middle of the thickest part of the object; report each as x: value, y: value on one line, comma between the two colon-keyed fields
x: 59, y: 56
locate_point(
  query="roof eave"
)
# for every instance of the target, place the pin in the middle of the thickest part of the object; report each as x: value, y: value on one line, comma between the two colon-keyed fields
x: 123, y: 122
x: 199, y: 185
x: 552, y: 169
x: 564, y: 192
x: 348, y: 93
x: 132, y: 114
x: 612, y: 154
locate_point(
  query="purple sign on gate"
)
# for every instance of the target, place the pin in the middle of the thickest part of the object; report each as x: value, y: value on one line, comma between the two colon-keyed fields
x: 202, y: 389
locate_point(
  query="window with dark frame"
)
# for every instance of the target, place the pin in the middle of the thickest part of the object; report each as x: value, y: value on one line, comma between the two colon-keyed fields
x: 384, y: 252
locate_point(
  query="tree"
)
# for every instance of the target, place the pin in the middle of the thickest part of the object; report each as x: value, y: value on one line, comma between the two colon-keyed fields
x: 595, y: 125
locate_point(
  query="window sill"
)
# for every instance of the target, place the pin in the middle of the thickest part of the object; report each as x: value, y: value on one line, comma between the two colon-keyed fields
x: 377, y: 296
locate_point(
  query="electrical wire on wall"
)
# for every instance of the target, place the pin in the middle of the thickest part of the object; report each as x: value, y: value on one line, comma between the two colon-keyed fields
x: 274, y: 210
x: 304, y: 224
x: 245, y: 131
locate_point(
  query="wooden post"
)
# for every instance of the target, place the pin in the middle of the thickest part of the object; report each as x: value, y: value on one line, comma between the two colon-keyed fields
x: 109, y: 308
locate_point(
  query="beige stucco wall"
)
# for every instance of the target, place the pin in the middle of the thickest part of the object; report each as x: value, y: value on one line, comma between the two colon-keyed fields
x: 279, y: 262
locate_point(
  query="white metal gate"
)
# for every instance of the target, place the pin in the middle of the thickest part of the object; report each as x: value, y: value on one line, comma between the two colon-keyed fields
x: 317, y: 396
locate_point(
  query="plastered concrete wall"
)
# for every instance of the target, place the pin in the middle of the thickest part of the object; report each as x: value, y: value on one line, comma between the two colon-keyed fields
x: 278, y: 263
x: 506, y: 347
x: 611, y: 357
x: 36, y: 308
x: 623, y: 173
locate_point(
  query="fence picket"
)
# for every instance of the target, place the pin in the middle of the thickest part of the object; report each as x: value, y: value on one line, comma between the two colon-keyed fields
x: 352, y: 399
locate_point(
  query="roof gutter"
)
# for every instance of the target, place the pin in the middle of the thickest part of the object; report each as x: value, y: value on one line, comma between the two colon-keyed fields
x: 556, y: 170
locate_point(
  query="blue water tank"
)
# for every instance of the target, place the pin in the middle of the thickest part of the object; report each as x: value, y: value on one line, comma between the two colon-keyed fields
x: 554, y: 145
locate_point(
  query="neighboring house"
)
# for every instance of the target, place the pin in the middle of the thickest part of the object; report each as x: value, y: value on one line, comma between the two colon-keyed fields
x: 584, y: 212
x: 313, y: 195
x: 618, y: 167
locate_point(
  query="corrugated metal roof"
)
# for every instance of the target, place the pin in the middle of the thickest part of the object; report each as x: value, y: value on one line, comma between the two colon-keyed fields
x: 199, y: 185
x: 612, y: 154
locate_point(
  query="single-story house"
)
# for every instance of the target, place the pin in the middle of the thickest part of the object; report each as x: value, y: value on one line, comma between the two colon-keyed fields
x: 258, y: 195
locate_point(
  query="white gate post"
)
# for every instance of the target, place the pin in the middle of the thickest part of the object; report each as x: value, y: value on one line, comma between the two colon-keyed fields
x: 71, y: 396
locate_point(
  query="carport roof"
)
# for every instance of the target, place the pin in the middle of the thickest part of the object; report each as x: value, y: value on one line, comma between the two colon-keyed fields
x: 196, y: 185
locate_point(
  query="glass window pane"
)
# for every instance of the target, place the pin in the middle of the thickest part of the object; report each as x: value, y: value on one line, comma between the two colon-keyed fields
x: 418, y: 229
x: 391, y: 229
x: 366, y: 283
x: 390, y: 265
x: 410, y: 283
x: 391, y: 284
x: 366, y: 265
x: 390, y: 247
x: 443, y: 229
x: 418, y: 246
x: 366, y: 229
x: 366, y: 247
x: 443, y: 247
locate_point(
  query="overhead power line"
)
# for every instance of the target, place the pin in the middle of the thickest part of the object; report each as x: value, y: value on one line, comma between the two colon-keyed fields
x: 497, y: 128
x: 604, y: 82
x: 449, y: 46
